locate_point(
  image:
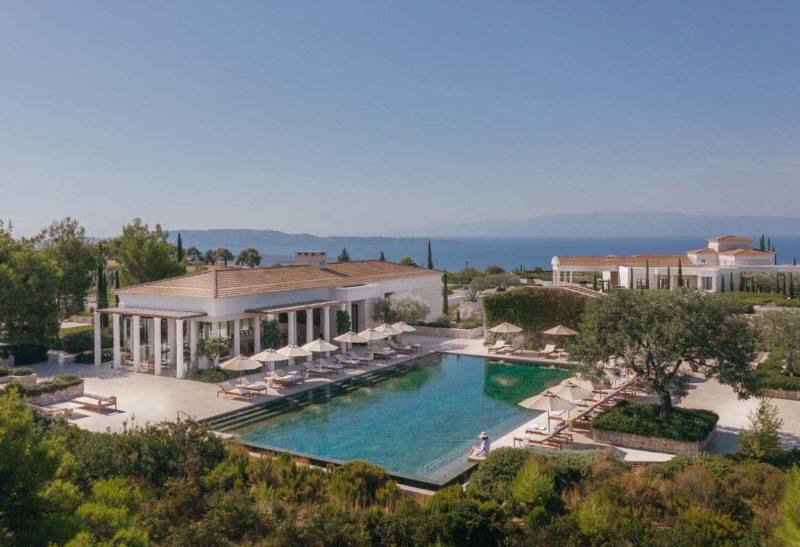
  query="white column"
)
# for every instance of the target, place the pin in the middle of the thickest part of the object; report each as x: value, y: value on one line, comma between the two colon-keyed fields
x: 257, y: 334
x: 98, y: 346
x: 157, y: 346
x: 194, y: 335
x: 309, y: 325
x: 556, y: 273
x: 292, y: 327
x: 215, y: 334
x: 179, y: 366
x: 326, y: 323
x: 237, y: 337
x: 171, y: 340
x: 136, y: 344
x: 117, y: 341
x: 570, y: 277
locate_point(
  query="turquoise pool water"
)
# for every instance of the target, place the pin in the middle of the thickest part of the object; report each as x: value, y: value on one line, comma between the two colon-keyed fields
x: 421, y: 423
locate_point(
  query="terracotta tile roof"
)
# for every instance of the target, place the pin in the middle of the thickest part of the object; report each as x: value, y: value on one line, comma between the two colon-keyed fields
x: 654, y: 260
x: 246, y: 281
x: 731, y: 239
x: 703, y: 251
x: 746, y: 252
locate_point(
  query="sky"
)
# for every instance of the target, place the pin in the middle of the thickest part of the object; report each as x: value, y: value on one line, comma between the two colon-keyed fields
x: 372, y: 118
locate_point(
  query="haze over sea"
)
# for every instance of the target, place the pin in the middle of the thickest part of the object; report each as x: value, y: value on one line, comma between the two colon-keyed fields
x: 510, y: 252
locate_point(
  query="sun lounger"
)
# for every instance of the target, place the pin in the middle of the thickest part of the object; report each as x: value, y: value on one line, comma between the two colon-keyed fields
x: 533, y: 440
x: 384, y: 353
x: 347, y: 361
x: 253, y: 383
x: 227, y: 388
x: 400, y: 348
x: 510, y: 350
x: 316, y: 368
x: 330, y: 362
x: 497, y: 346
x: 367, y: 358
x: 548, y: 349
x: 96, y: 402
x: 284, y: 378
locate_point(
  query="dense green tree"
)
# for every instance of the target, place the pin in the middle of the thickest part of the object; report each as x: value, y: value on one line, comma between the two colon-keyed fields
x: 65, y: 242
x: 382, y: 257
x: 248, y: 257
x: 408, y: 261
x: 492, y: 269
x: 342, y: 321
x: 223, y: 256
x: 144, y: 255
x: 761, y: 439
x: 659, y: 334
x: 430, y: 256
x: 179, y: 254
x: 194, y: 255
x: 208, y: 258
x: 344, y: 256
x: 271, y: 337
x: 211, y: 348
x: 680, y: 274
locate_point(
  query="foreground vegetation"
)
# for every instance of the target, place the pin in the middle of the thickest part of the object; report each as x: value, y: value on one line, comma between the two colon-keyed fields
x: 682, y: 424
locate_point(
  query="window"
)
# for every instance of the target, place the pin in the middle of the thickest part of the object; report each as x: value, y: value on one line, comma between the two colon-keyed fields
x: 707, y: 283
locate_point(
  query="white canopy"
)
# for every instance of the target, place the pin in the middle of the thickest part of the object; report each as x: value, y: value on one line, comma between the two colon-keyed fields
x: 402, y: 326
x: 572, y: 392
x: 560, y: 330
x: 293, y: 350
x: 388, y: 330
x: 269, y: 356
x: 547, y: 401
x: 371, y: 334
x: 240, y: 362
x: 350, y: 338
x: 319, y: 345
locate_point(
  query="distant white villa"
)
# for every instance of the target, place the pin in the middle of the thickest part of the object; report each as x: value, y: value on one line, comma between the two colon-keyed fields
x: 159, y: 324
x: 725, y: 258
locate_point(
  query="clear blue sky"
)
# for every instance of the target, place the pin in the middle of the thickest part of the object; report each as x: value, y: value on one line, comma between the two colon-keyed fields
x: 370, y: 117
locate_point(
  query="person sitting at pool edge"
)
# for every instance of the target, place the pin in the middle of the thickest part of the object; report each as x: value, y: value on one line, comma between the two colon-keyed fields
x: 482, y: 450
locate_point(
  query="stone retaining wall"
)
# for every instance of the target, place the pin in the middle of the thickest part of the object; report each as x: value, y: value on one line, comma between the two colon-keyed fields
x: 651, y: 444
x: 782, y: 394
x: 58, y: 396
x: 28, y: 380
x: 477, y: 332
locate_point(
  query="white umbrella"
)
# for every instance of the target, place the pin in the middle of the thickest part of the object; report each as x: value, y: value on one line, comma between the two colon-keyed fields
x: 240, y: 363
x: 319, y: 346
x: 505, y: 328
x: 560, y: 330
x: 269, y: 356
x: 293, y: 350
x: 572, y: 392
x: 350, y: 338
x: 547, y: 401
x: 371, y: 334
x: 388, y: 330
x: 402, y: 326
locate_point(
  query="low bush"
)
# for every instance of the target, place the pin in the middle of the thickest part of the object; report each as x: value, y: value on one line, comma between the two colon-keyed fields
x: 25, y: 354
x: 48, y: 386
x: 9, y: 371
x: 682, y: 424
x: 494, y: 475
x: 362, y: 484
x: 212, y: 375
x: 772, y: 376
x: 78, y: 342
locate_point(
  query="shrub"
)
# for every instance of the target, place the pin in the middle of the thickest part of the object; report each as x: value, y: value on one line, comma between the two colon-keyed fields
x: 568, y: 467
x: 494, y: 475
x: 771, y: 373
x: 534, y: 309
x: 789, y: 529
x: 78, y: 342
x: 212, y: 375
x: 644, y: 419
x: 761, y: 440
x: 48, y: 386
x: 85, y: 358
x: 362, y: 484
x: 534, y: 487
x: 25, y: 354
x: 7, y: 371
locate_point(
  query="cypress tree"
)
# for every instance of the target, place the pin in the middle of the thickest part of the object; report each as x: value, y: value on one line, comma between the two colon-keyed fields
x: 116, y: 286
x: 680, y: 273
x: 594, y: 281
x: 646, y: 274
x: 762, y: 244
x: 630, y: 278
x: 382, y: 258
x: 445, y: 305
x: 669, y: 277
x: 179, y: 252
x: 791, y: 285
x: 731, y: 282
x: 102, y: 288
x: 722, y: 284
x: 344, y: 256
x: 742, y: 286
x: 430, y: 256
x: 769, y: 243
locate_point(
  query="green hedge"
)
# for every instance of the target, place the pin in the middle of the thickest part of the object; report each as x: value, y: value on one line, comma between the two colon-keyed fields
x: 772, y: 376
x: 25, y: 354
x: 682, y: 424
x: 214, y: 375
x: 534, y: 309
x: 87, y: 357
x: 7, y: 371
x: 48, y: 386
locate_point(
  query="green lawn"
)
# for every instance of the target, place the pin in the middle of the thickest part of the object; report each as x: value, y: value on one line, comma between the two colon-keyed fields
x: 682, y: 424
x: 73, y: 330
x: 750, y: 299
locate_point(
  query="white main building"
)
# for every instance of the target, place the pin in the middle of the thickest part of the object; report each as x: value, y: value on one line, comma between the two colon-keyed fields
x: 725, y: 258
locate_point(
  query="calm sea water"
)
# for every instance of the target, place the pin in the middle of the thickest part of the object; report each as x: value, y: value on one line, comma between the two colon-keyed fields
x: 422, y: 423
x: 529, y: 251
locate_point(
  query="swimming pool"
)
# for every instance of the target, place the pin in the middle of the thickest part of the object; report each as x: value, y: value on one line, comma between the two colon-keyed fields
x: 419, y: 424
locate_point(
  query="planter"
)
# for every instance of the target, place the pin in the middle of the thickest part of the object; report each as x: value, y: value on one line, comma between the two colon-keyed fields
x: 28, y: 380
x: 782, y: 394
x: 57, y: 396
x: 651, y: 444
x: 470, y: 309
x: 477, y: 332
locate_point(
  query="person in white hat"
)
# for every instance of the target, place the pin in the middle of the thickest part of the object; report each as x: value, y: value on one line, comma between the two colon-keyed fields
x: 482, y: 450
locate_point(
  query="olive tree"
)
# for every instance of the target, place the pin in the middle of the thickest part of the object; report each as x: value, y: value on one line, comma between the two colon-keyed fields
x: 408, y: 308
x: 780, y: 330
x: 662, y: 336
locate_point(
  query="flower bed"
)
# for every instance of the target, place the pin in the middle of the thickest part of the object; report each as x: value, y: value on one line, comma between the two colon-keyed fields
x: 638, y: 425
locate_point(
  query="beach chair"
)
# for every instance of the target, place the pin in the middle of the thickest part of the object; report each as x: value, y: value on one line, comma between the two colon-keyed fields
x: 330, y: 362
x: 284, y: 378
x: 96, y: 402
x: 497, y: 346
x: 347, y: 361
x: 512, y: 349
x: 319, y: 370
x: 227, y: 388
x: 548, y: 349
x: 367, y: 358
x: 400, y: 348
x: 253, y: 383
x: 384, y: 353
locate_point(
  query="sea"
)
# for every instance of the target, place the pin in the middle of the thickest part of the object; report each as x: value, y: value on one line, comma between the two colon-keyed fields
x: 455, y: 253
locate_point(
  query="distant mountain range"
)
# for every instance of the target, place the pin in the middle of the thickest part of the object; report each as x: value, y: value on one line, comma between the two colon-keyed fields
x: 618, y: 224
x: 237, y: 239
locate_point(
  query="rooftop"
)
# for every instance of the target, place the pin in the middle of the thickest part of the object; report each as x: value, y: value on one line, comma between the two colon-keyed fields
x: 730, y: 239
x: 229, y: 282
x: 654, y: 260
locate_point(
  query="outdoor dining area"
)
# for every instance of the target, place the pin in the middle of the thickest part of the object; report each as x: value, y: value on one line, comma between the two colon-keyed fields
x: 292, y: 365
x: 507, y: 331
x: 569, y: 406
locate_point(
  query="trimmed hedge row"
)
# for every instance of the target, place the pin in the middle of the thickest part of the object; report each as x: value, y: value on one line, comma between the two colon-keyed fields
x: 25, y: 354
x: 534, y: 309
x: 682, y: 424
x: 5, y: 371
x: 772, y: 376
x: 48, y: 386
